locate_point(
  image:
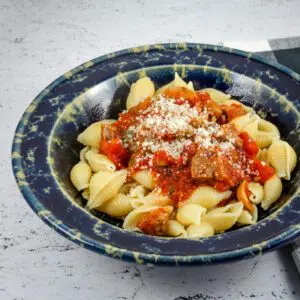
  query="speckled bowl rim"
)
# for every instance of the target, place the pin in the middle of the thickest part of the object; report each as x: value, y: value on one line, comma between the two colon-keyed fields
x: 139, y: 257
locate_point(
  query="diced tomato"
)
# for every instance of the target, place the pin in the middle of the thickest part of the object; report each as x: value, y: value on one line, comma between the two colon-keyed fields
x: 162, y: 158
x: 265, y: 171
x: 249, y: 144
x: 115, y: 152
x: 233, y: 111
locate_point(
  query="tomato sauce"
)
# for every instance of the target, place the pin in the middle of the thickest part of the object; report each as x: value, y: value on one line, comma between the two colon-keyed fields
x: 229, y: 166
x: 175, y: 182
x: 154, y: 222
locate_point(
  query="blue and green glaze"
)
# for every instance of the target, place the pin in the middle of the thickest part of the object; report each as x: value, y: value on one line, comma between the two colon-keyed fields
x: 45, y: 147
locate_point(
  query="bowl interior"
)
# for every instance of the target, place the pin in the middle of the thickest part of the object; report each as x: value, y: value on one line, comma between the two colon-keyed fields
x: 45, y: 147
x: 108, y: 98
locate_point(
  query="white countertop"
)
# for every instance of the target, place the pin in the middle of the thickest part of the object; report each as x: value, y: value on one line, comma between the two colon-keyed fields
x: 40, y: 40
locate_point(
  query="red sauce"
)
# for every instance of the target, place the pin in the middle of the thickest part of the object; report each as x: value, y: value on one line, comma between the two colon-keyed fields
x: 128, y: 118
x: 251, y: 149
x: 249, y: 145
x: 115, y: 152
x: 176, y: 182
x: 173, y: 176
x: 265, y: 171
x: 154, y: 222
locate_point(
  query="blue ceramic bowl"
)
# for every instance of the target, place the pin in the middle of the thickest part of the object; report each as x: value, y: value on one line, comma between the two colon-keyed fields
x: 45, y: 147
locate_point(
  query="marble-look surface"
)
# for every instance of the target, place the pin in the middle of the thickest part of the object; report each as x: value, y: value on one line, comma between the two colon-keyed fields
x: 42, y: 39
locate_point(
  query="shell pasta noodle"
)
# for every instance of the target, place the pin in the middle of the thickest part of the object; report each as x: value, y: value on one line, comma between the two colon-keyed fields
x: 182, y: 163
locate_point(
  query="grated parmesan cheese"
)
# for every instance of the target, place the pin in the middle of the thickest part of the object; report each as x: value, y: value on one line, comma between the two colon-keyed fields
x: 165, y: 118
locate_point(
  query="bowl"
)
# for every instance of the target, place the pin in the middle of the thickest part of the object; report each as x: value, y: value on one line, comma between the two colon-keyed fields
x: 45, y: 147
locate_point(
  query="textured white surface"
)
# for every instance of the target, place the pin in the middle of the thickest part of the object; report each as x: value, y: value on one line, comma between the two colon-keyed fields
x: 39, y: 40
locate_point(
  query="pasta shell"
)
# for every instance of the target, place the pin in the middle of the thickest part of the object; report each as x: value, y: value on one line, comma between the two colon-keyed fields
x: 178, y: 81
x: 244, y: 120
x: 175, y: 229
x: 125, y: 188
x: 263, y: 155
x: 145, y: 178
x: 83, y: 152
x: 190, y: 214
x: 137, y: 192
x: 190, y: 86
x: 223, y: 218
x: 207, y: 196
x: 272, y: 191
x: 118, y: 206
x: 92, y: 135
x: 251, y: 129
x: 291, y: 160
x: 216, y: 95
x: 282, y: 158
x: 132, y: 219
x: 86, y: 193
x: 99, y: 162
x: 80, y: 175
x: 256, y: 192
x: 104, y: 186
x: 247, y: 218
x: 264, y: 139
x: 267, y: 126
x: 200, y: 231
x: 139, y: 91
x: 156, y: 198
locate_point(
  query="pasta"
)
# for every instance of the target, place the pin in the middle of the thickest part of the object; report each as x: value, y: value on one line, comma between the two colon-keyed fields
x: 242, y: 121
x: 175, y: 229
x: 118, y: 206
x: 145, y: 178
x: 92, y: 135
x: 139, y: 91
x: 256, y: 192
x: 182, y: 163
x: 83, y: 152
x: 199, y: 231
x: 190, y: 86
x: 283, y: 158
x: 223, y: 218
x: 272, y: 191
x: 80, y: 175
x: 98, y: 162
x: 177, y: 82
x: 263, y: 155
x: 132, y: 220
x: 248, y: 218
x: 265, y: 139
x: 207, y: 196
x: 104, y: 186
x: 155, y: 198
x: 190, y: 214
